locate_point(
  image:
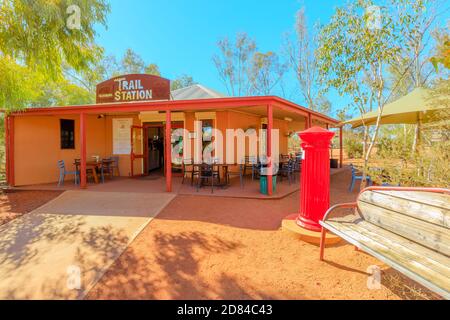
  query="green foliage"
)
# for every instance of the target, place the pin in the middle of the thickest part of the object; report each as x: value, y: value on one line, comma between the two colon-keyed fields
x: 153, y: 69
x: 182, y: 82
x: 37, y: 44
x: 265, y: 72
x: 233, y: 63
x: 352, y: 57
x: 353, y: 145
x: 36, y: 33
x: 300, y: 50
x: 430, y: 165
x: 132, y: 62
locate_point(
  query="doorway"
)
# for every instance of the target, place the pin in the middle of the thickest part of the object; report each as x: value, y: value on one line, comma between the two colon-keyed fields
x: 155, y: 136
x: 155, y: 148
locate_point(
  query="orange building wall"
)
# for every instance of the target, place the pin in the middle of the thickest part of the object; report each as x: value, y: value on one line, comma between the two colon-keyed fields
x: 37, y: 146
x: 37, y: 142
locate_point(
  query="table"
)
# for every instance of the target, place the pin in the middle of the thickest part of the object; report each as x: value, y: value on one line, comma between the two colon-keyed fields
x: 224, y: 167
x: 94, y: 165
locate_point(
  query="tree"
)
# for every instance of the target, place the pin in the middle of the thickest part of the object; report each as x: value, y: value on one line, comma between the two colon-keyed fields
x: 353, y: 54
x: 442, y: 54
x: 182, y: 82
x: 153, y: 69
x: 38, y: 33
x: 303, y: 62
x: 233, y: 63
x: 415, y: 19
x: 265, y: 73
x: 41, y: 36
x: 132, y: 62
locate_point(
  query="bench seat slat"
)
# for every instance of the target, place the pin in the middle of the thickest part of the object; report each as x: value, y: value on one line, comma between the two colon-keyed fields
x: 415, y: 207
x: 394, y: 250
x: 429, y: 198
x: 430, y: 235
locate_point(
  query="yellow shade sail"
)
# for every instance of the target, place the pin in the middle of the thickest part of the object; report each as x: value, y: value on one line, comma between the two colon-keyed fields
x: 417, y: 105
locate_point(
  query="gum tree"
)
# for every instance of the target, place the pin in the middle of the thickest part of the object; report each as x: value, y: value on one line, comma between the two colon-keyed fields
x: 355, y: 48
x: 44, y: 35
x: 234, y: 62
x: 300, y: 52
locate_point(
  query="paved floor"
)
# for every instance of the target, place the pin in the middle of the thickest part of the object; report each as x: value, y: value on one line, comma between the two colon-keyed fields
x: 42, y: 252
x: 156, y: 183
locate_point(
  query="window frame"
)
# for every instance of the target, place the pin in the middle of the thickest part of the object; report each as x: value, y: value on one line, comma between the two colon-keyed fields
x: 67, y: 143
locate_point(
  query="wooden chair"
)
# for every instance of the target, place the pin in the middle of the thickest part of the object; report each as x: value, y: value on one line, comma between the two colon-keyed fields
x: 89, y: 171
x: 106, y: 169
x: 287, y: 170
x: 406, y: 228
x: 188, y: 168
x: 115, y: 164
x: 239, y: 173
x: 251, y: 162
x: 207, y: 173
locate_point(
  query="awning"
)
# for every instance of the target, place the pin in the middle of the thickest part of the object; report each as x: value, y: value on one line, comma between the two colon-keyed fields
x: 408, y: 109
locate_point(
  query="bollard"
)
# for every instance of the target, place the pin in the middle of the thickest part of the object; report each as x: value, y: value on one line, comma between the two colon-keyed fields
x: 315, y: 178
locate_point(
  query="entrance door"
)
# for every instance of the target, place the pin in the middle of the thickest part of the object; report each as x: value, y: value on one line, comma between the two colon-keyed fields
x: 155, y: 149
x: 138, y: 154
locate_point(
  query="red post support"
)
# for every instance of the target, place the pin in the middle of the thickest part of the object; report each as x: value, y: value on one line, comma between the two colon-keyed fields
x: 341, y: 154
x: 269, y: 148
x: 9, y: 148
x: 308, y: 121
x: 83, y: 150
x: 315, y: 179
x: 168, y: 151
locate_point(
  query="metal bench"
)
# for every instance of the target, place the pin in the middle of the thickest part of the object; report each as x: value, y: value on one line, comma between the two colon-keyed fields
x: 406, y: 228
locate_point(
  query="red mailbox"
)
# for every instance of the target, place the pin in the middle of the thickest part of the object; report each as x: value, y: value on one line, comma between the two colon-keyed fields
x: 315, y: 179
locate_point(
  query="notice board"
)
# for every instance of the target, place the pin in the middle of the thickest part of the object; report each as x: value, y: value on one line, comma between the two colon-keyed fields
x: 122, y: 135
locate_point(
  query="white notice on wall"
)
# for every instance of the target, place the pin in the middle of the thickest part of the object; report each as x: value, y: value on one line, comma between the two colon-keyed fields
x: 122, y: 135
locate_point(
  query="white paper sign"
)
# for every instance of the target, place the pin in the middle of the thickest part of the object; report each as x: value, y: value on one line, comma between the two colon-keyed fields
x: 122, y: 135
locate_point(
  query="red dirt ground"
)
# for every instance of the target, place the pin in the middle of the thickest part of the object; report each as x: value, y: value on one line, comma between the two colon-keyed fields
x: 17, y: 203
x: 201, y: 247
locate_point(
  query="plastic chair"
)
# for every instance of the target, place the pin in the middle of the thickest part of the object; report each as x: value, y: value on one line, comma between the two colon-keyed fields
x: 63, y: 172
x: 356, y: 177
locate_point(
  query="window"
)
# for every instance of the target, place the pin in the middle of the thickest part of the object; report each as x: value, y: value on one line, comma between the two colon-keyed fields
x: 67, y: 129
x: 207, y: 133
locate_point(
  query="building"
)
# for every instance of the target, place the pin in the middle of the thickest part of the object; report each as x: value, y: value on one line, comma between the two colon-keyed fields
x: 132, y: 116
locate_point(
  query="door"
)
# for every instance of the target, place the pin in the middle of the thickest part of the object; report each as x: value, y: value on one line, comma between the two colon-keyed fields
x: 138, y: 151
x: 155, y: 148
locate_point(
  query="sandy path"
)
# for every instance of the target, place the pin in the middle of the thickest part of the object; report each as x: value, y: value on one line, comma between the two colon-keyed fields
x: 40, y: 252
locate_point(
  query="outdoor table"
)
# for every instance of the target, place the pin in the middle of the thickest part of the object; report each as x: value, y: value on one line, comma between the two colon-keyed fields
x: 95, y: 165
x: 224, y: 167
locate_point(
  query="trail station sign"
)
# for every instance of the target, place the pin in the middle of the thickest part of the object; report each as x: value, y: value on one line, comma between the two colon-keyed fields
x: 133, y: 87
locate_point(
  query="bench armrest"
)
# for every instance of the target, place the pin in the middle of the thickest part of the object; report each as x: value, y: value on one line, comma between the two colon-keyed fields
x: 339, y: 206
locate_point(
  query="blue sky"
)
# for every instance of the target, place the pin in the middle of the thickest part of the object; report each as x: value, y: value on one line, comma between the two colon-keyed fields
x: 181, y: 36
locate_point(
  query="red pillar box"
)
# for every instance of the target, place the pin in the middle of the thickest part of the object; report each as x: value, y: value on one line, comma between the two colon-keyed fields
x: 315, y: 179
x: 315, y: 187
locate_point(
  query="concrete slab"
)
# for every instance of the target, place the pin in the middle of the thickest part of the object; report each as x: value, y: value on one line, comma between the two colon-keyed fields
x: 41, y: 253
